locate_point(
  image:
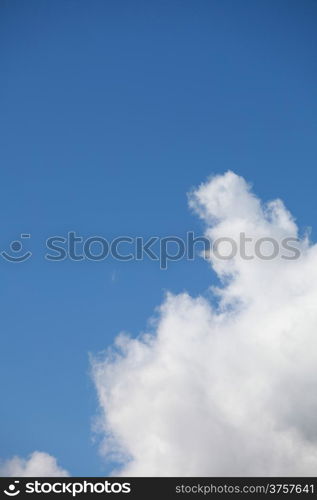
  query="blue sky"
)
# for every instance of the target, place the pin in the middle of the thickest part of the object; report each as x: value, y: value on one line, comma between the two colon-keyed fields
x: 110, y: 113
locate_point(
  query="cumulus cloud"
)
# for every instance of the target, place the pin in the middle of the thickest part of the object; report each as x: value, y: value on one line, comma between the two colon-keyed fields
x: 38, y: 464
x: 226, y: 386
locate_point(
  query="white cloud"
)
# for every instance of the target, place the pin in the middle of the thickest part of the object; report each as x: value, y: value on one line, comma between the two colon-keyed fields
x: 226, y: 390
x: 38, y: 464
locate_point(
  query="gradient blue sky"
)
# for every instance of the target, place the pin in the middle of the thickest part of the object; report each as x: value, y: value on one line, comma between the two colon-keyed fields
x: 110, y: 112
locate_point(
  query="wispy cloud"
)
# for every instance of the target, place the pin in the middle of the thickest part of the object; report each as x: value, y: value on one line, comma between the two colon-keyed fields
x: 38, y: 464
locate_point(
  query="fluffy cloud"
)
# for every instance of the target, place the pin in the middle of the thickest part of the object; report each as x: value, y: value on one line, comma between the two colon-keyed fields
x: 227, y: 386
x: 38, y: 464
